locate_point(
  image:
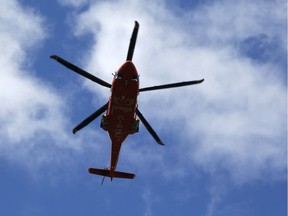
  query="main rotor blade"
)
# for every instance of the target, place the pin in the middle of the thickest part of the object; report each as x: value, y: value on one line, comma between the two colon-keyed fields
x: 132, y: 42
x: 148, y: 127
x: 80, y: 71
x: 172, y: 85
x: 90, y: 118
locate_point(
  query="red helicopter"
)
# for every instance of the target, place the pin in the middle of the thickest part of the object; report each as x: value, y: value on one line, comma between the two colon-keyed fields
x: 122, y: 111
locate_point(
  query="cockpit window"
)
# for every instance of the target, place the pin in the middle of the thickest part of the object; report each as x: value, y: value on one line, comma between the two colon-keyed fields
x: 135, y: 78
x: 119, y: 76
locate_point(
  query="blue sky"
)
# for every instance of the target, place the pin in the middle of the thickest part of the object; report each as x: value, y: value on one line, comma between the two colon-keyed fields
x: 226, y: 139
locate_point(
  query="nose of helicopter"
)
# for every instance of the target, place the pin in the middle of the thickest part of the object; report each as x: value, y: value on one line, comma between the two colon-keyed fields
x: 128, y: 71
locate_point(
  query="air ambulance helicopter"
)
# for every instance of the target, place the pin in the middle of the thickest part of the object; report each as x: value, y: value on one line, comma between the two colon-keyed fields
x: 122, y: 113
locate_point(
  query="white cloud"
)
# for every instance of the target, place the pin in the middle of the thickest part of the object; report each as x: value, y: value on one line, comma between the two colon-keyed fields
x: 242, y: 122
x: 17, y: 23
x: 228, y: 21
x: 74, y: 3
x: 33, y: 126
x: 236, y: 118
x: 148, y: 201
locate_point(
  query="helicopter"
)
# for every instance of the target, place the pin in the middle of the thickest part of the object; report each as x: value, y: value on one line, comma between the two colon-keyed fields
x: 122, y: 116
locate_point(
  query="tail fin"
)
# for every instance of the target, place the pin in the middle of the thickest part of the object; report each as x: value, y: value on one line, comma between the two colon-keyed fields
x: 116, y: 174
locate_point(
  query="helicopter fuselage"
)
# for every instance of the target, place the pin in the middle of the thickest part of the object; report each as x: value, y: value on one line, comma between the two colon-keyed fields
x: 120, y: 119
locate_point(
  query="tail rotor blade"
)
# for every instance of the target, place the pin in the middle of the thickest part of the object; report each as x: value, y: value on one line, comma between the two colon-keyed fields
x: 91, y: 118
x: 148, y: 127
x: 132, y: 42
x: 80, y: 71
x: 172, y: 85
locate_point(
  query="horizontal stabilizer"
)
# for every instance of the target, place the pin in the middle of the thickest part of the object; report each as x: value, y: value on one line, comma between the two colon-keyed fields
x: 116, y: 174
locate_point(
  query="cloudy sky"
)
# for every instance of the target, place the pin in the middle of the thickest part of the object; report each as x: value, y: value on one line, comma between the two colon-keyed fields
x: 225, y: 139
